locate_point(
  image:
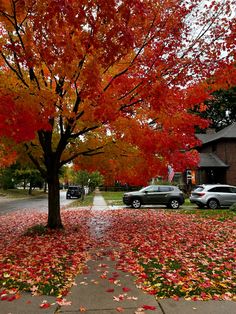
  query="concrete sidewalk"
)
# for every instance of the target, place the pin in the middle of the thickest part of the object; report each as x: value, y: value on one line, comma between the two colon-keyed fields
x: 103, y: 289
x: 99, y: 203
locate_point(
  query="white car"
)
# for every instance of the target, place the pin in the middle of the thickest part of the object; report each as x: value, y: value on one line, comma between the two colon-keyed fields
x: 214, y: 195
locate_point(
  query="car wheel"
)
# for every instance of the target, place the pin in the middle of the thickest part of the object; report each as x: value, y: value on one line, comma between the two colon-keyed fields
x: 136, y: 203
x: 213, y: 204
x: 174, y: 204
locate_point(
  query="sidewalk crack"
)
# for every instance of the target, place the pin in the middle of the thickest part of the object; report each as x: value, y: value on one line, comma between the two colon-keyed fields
x: 161, y: 307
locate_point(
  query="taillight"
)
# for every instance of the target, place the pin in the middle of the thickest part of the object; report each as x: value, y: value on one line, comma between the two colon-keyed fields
x: 201, y: 194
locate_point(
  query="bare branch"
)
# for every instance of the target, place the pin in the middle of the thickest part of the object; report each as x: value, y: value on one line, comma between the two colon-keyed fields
x: 35, y: 161
x: 89, y: 152
x: 14, y: 70
x: 130, y: 105
x: 84, y: 131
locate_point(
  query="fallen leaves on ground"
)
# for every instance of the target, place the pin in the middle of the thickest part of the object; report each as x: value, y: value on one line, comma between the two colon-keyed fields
x: 45, y: 263
x: 45, y: 304
x: 175, y: 255
x: 171, y: 254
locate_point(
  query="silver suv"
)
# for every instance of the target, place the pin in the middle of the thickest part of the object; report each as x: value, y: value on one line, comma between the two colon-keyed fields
x: 213, y: 195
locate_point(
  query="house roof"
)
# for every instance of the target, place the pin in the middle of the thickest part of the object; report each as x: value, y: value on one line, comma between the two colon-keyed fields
x: 211, y: 160
x: 228, y: 132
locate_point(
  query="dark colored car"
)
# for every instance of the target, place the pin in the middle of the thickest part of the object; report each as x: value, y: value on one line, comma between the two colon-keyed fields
x: 213, y: 195
x: 74, y: 191
x: 171, y: 196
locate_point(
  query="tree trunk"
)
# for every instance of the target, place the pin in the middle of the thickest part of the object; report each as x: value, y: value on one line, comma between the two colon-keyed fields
x: 30, y: 188
x: 45, y: 187
x: 82, y: 194
x: 54, y: 215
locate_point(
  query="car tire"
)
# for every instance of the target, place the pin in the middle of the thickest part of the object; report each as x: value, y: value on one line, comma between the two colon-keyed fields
x: 213, y: 203
x: 136, y: 203
x: 174, y: 204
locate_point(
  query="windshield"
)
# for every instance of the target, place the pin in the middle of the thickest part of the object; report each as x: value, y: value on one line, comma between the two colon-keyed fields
x: 150, y: 188
x: 199, y: 189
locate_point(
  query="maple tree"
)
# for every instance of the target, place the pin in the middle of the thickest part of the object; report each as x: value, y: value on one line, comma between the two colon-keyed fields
x: 79, y: 77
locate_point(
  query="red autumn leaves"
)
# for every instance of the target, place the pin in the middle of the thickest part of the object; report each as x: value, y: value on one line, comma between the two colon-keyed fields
x: 171, y: 254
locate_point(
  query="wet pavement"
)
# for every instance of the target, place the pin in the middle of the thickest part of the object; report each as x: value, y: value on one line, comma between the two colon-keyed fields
x: 37, y: 202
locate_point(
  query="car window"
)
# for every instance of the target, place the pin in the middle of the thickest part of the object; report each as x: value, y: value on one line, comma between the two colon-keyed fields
x: 199, y: 189
x: 233, y: 190
x: 154, y: 189
x: 151, y: 188
x: 221, y: 189
x: 165, y: 188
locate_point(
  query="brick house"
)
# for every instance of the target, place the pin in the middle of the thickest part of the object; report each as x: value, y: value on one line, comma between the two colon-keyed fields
x: 217, y: 157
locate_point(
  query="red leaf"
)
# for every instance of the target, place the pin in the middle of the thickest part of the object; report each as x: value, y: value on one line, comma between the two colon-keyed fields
x: 148, y: 307
x: 45, y: 305
x: 12, y: 298
x: 110, y: 290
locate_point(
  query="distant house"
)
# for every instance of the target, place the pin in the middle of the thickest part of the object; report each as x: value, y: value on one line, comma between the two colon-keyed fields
x: 217, y: 157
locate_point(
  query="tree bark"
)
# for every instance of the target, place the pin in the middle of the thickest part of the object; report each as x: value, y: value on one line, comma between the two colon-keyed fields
x: 45, y: 187
x: 30, y: 188
x: 54, y: 215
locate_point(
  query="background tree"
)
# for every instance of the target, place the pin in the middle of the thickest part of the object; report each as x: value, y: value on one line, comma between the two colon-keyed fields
x: 221, y: 109
x: 29, y: 177
x: 90, y: 179
x: 7, y: 178
x: 95, y: 180
x: 78, y: 77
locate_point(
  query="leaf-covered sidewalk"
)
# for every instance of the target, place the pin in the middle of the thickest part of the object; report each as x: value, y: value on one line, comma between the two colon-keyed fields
x: 172, y: 255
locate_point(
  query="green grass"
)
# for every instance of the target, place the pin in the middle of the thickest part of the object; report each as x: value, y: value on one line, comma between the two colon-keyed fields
x: 88, y: 201
x: 220, y: 214
x: 20, y: 193
x: 187, y: 202
x: 113, y: 198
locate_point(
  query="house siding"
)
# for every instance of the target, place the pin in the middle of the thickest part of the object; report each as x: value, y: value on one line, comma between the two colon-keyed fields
x: 225, y: 149
x: 228, y: 154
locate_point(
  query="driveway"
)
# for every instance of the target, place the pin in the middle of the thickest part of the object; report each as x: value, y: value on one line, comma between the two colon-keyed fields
x: 38, y: 202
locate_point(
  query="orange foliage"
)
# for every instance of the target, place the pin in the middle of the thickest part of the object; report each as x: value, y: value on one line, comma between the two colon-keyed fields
x: 120, y: 78
x: 7, y: 156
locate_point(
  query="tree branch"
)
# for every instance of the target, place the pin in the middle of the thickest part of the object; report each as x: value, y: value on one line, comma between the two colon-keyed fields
x: 130, y: 105
x: 35, y: 161
x: 145, y: 43
x: 85, y: 130
x: 89, y: 152
x: 14, y: 70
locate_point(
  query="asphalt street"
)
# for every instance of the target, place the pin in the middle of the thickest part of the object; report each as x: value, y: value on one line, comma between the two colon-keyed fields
x: 39, y: 203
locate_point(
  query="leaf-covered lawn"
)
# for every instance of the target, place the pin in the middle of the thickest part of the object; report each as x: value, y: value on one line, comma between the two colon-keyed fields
x: 172, y: 255
x: 42, y: 262
x: 176, y: 255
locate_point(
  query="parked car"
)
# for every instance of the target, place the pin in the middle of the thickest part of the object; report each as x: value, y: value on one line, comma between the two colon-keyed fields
x: 171, y: 196
x: 74, y: 191
x: 213, y: 195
